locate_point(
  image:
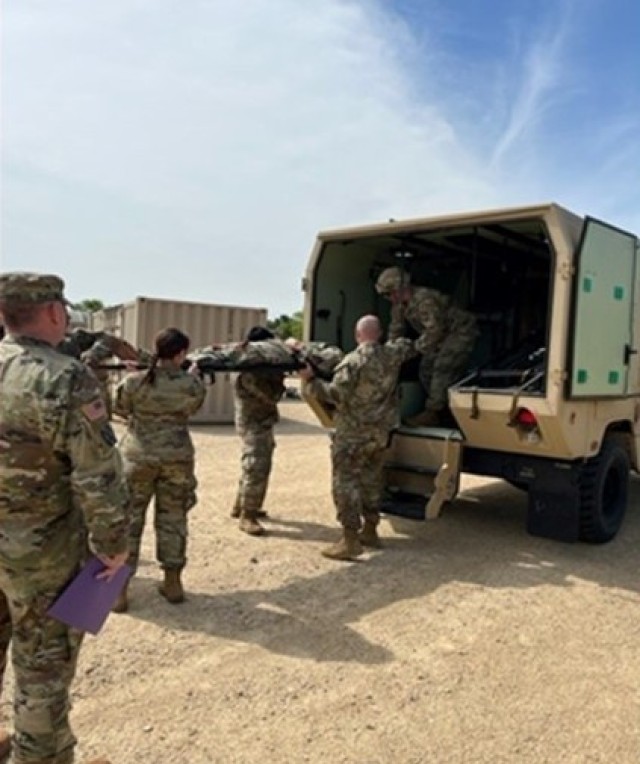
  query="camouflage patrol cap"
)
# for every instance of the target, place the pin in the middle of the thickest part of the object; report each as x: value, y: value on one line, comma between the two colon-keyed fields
x: 391, y: 279
x: 34, y: 288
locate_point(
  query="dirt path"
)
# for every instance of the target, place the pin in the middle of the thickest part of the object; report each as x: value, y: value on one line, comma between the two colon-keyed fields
x: 463, y: 641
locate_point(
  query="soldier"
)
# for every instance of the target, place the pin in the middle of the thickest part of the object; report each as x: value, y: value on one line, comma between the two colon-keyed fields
x: 159, y: 455
x: 446, y: 337
x: 61, y: 487
x: 363, y: 390
x: 256, y: 396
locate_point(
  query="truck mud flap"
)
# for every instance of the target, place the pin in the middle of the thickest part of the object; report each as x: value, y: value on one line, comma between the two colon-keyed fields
x: 554, y: 507
x: 553, y: 489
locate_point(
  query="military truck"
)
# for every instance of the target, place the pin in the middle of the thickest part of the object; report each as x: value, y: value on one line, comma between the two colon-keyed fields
x: 550, y: 401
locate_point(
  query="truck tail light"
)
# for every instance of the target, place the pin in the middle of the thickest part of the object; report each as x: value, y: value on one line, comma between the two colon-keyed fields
x: 526, y: 419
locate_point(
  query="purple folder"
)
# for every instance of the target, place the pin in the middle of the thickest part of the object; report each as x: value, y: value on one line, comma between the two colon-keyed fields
x: 87, y: 601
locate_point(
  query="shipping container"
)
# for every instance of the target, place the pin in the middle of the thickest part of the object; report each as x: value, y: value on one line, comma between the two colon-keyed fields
x: 138, y: 322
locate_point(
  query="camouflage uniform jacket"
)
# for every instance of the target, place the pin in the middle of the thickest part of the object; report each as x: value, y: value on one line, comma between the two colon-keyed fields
x: 59, y: 470
x: 256, y: 399
x: 432, y: 315
x: 364, y: 386
x: 242, y: 356
x: 158, y: 415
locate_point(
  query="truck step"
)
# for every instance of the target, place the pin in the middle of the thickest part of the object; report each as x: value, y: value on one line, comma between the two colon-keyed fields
x: 405, y: 505
x: 414, y: 468
x: 433, y: 433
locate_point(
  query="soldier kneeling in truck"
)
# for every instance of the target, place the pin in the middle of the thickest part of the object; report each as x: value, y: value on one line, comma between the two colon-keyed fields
x: 446, y: 338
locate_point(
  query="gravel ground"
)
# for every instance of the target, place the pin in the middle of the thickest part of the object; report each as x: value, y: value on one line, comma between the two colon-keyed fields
x: 464, y: 640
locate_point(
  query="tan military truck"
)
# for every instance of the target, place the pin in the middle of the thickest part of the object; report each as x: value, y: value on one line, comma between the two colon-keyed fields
x: 551, y: 398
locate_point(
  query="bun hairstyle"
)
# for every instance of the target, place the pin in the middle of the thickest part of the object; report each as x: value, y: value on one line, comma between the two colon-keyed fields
x: 168, y: 343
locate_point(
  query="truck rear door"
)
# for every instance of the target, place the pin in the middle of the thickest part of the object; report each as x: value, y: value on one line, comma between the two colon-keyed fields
x: 602, y: 339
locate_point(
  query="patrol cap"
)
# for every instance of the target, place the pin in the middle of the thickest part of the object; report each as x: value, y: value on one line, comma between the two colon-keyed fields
x: 391, y: 279
x: 20, y: 287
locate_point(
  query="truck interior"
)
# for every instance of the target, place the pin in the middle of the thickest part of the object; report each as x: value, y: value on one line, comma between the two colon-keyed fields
x: 499, y: 271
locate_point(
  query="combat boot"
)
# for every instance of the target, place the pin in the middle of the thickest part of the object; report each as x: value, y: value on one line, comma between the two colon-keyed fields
x: 348, y: 548
x: 369, y: 535
x: 5, y: 745
x: 55, y: 760
x: 249, y: 523
x: 426, y: 418
x: 171, y: 588
x: 121, y: 605
x: 237, y: 511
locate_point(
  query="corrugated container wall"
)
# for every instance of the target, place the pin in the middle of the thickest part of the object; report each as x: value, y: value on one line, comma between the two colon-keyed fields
x: 139, y: 321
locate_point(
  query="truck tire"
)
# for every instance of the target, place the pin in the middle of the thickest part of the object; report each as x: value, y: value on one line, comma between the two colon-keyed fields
x: 604, y: 490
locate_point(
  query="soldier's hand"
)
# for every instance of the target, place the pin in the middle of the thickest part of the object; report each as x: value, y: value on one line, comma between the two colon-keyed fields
x: 111, y: 565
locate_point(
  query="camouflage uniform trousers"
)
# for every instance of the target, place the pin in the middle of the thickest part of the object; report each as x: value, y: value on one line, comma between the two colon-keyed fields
x: 44, y: 656
x: 357, y: 477
x: 258, y: 444
x: 174, y: 487
x: 442, y: 368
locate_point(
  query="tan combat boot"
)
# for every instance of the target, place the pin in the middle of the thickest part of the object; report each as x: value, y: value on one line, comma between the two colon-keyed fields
x: 249, y: 523
x: 237, y: 511
x: 171, y: 588
x: 121, y: 605
x: 54, y: 759
x: 348, y: 548
x: 369, y: 535
x: 5, y: 744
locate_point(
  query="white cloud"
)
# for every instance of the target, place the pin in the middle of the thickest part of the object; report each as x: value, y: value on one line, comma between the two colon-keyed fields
x: 193, y: 149
x: 535, y: 78
x: 214, y: 135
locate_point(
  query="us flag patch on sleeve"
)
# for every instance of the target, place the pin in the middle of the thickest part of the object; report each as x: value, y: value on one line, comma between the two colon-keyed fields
x: 94, y: 410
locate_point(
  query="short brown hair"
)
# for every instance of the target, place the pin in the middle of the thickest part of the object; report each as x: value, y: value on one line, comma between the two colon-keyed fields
x: 17, y: 315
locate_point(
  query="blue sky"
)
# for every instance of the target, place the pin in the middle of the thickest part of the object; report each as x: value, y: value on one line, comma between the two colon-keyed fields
x: 192, y: 149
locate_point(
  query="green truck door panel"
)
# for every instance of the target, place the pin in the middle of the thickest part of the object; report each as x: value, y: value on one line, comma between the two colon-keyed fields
x: 603, y: 311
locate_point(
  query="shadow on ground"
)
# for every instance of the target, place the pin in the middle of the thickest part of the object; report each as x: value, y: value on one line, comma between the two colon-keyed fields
x: 480, y: 539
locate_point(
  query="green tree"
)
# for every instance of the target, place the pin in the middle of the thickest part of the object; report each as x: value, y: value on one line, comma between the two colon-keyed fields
x: 287, y: 326
x: 90, y: 306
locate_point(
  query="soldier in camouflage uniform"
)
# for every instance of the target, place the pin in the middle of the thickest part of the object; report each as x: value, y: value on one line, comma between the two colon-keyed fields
x: 364, y: 392
x: 61, y: 487
x: 256, y: 396
x: 158, y: 455
x: 271, y: 353
x: 446, y: 338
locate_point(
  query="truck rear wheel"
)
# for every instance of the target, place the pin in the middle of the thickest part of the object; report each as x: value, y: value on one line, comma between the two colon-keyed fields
x: 604, y: 490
